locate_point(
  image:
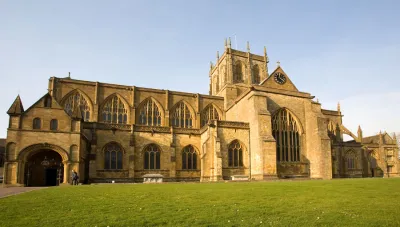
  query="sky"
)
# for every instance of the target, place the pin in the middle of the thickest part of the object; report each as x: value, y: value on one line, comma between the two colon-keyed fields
x: 339, y: 51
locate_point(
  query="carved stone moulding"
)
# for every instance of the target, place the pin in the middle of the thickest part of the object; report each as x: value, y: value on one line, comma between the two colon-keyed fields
x: 233, y: 124
x: 106, y: 126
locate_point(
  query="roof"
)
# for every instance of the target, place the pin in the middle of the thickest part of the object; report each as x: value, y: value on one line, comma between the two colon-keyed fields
x: 16, y: 108
x: 386, y: 139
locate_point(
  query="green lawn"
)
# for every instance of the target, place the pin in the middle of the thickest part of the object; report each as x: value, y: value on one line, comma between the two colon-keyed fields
x: 348, y: 202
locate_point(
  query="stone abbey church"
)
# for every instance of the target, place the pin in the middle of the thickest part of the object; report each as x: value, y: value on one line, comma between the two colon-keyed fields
x: 253, y: 125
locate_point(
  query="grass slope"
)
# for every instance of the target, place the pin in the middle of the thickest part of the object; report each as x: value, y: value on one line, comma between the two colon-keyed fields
x: 348, y: 202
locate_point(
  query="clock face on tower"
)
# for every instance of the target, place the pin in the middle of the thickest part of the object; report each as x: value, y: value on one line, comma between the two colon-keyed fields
x: 280, y: 78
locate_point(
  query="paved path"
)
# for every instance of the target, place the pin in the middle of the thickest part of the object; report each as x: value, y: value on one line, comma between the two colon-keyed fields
x: 4, y: 192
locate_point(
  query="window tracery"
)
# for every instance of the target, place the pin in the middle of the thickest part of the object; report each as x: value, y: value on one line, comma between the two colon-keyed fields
x: 351, y: 159
x: 113, y: 156
x: 209, y: 113
x: 181, y: 116
x: 76, y: 99
x: 189, y: 158
x: 152, y: 157
x: 114, y: 111
x: 235, y: 154
x: 285, y: 130
x: 150, y: 114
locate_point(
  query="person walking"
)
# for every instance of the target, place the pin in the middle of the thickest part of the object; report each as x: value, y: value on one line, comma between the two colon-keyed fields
x: 74, y: 177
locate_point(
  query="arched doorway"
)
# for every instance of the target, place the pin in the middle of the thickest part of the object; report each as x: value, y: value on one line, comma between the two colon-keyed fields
x: 44, y: 168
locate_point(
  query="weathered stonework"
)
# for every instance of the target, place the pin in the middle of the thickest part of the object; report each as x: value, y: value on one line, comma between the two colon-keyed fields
x: 109, y: 132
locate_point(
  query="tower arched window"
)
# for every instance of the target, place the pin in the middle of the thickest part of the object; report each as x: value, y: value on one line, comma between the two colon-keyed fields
x: 209, y: 113
x: 149, y: 113
x: 152, y: 157
x: 238, y: 73
x: 114, y: 111
x: 113, y: 156
x: 216, y: 84
x: 286, y: 132
x: 76, y: 99
x: 256, y: 74
x: 189, y: 158
x: 222, y: 78
x: 181, y: 116
x: 37, y: 123
x: 235, y: 154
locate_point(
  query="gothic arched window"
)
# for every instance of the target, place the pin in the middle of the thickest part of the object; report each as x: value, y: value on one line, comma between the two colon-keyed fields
x: 238, y: 73
x: 149, y: 113
x: 181, y: 117
x: 286, y: 132
x: 114, y: 111
x: 152, y: 157
x: 235, y: 154
x: 209, y: 113
x: 113, y: 156
x: 76, y: 99
x: 256, y: 74
x: 351, y: 159
x: 189, y: 158
x: 37, y: 123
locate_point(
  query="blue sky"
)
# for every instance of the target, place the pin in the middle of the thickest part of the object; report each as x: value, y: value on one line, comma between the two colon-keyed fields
x: 345, y: 51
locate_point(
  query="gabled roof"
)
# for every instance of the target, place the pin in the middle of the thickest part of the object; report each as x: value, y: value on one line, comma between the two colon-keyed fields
x: 16, y: 108
x: 270, y: 81
x: 54, y: 104
x: 386, y: 139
